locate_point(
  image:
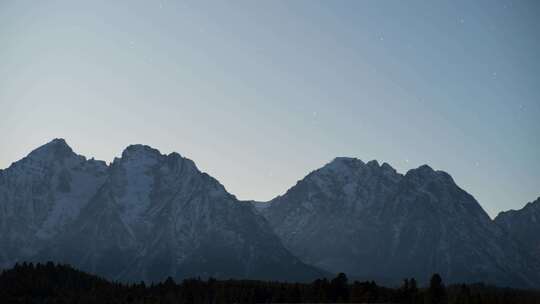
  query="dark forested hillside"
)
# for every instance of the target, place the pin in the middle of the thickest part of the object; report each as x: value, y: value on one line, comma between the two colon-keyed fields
x: 50, y: 283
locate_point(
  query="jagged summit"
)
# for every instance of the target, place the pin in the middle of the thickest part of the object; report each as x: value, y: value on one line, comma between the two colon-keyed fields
x: 528, y: 206
x: 427, y: 173
x: 342, y: 164
x: 425, y: 168
x: 57, y: 143
x: 143, y: 155
x: 57, y: 149
x: 534, y: 205
x: 351, y: 163
x: 388, y: 167
x: 346, y: 159
x: 373, y: 163
x: 139, y: 150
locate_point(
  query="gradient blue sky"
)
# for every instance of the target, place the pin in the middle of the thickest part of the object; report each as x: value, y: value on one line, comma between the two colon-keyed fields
x: 260, y: 93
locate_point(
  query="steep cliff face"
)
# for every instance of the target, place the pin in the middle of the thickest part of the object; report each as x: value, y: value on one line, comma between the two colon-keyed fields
x: 524, y: 226
x: 372, y: 222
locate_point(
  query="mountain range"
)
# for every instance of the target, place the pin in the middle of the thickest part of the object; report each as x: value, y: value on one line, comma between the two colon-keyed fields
x: 373, y: 222
x: 147, y: 216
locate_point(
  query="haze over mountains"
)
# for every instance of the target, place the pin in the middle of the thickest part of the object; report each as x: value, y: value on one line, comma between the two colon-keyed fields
x: 147, y: 216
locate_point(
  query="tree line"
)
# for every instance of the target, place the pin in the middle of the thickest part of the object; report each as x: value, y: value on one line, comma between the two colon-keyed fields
x: 57, y: 283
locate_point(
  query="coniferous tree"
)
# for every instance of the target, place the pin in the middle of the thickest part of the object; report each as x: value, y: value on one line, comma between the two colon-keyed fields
x: 50, y: 283
x: 413, y: 291
x: 437, y: 291
x: 339, y: 288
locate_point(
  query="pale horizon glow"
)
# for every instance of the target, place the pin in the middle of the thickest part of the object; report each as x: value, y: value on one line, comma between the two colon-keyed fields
x: 259, y: 94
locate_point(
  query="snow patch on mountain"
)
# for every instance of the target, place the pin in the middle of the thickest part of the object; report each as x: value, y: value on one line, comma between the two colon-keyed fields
x: 368, y: 220
x: 145, y: 217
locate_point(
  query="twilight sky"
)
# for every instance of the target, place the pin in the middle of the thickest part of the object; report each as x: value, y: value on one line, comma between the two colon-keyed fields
x: 260, y: 93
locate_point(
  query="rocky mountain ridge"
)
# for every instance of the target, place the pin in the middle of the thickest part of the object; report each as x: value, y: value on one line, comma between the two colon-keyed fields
x: 523, y: 225
x: 373, y: 222
x: 145, y: 217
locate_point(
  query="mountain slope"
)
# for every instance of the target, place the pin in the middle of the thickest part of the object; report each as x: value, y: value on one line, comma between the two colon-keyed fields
x: 523, y: 225
x: 41, y: 195
x: 145, y: 217
x: 372, y: 222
